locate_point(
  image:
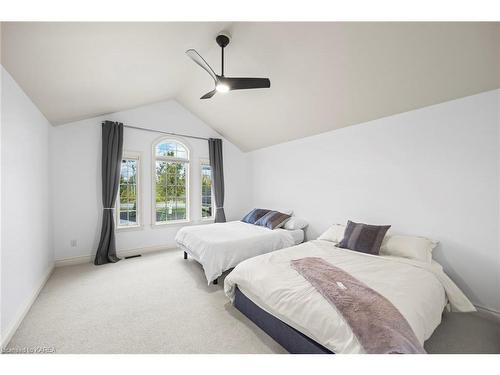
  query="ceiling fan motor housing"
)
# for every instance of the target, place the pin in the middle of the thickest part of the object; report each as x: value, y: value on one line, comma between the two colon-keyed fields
x: 222, y: 40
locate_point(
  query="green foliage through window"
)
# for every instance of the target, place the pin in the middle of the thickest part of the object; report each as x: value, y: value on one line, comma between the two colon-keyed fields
x: 127, y: 208
x: 206, y: 192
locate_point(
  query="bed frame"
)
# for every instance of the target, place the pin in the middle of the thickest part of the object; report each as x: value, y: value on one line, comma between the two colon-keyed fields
x: 289, y: 338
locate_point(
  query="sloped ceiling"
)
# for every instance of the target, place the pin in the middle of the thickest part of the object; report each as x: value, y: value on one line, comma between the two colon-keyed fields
x: 324, y: 76
x: 73, y: 71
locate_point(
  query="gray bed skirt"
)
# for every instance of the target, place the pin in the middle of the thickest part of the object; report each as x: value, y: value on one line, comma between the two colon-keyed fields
x: 289, y: 338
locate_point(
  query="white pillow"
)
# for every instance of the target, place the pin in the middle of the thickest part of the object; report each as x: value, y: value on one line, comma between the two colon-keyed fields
x: 295, y: 223
x: 284, y: 211
x: 334, y: 234
x: 419, y: 248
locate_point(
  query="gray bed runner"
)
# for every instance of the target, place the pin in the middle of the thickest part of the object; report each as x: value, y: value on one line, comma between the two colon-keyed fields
x: 374, y: 320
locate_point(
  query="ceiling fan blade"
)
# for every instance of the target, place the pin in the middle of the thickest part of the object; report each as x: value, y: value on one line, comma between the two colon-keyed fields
x: 196, y: 57
x: 236, y: 83
x: 208, y: 95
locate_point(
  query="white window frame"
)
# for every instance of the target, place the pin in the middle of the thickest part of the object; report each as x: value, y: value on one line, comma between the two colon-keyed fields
x: 131, y: 155
x: 187, y: 161
x: 206, y: 162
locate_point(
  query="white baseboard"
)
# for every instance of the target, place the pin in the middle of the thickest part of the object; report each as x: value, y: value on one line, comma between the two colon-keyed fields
x: 74, y: 260
x: 121, y: 254
x: 9, y: 332
x: 144, y: 250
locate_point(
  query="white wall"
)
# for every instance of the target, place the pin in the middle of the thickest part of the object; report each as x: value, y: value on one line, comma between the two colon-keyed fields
x: 432, y: 172
x: 27, y: 253
x: 76, y: 154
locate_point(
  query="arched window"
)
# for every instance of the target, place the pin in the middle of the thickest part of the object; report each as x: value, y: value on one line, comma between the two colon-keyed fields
x: 171, y: 181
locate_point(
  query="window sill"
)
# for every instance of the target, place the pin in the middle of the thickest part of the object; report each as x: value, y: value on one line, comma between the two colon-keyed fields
x: 170, y: 224
x: 183, y: 223
x: 129, y: 229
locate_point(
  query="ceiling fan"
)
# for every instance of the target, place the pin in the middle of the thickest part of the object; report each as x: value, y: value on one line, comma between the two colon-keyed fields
x: 224, y: 84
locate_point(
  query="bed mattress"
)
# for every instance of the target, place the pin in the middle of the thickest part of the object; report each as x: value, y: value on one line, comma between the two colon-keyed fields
x: 221, y: 246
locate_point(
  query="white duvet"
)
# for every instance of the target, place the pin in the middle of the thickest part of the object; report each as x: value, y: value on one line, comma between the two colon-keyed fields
x: 419, y: 290
x: 221, y: 246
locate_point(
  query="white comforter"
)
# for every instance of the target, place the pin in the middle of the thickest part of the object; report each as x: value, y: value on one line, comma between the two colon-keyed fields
x: 418, y: 290
x: 221, y: 246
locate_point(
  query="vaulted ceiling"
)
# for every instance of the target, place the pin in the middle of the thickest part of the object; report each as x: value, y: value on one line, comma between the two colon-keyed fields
x: 324, y: 76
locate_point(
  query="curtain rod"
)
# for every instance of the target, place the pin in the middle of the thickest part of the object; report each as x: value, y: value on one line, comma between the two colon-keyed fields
x: 169, y: 133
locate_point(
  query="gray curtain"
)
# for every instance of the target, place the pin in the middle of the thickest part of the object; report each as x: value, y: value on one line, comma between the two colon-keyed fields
x: 112, y: 148
x: 215, y: 154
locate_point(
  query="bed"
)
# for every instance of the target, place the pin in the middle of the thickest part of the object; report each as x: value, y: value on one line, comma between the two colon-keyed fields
x: 283, y: 303
x: 221, y: 246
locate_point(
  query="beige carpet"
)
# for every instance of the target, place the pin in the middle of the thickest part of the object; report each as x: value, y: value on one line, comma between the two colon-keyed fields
x: 161, y: 303
x: 158, y: 303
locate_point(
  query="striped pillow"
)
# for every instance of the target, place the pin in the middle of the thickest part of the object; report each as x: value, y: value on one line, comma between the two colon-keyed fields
x: 254, y: 215
x: 273, y: 220
x: 363, y: 237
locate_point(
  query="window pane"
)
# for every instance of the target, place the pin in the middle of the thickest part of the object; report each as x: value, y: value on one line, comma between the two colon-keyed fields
x: 123, y: 217
x: 160, y: 190
x: 161, y: 149
x: 171, y: 180
x: 182, y: 168
x: 160, y: 206
x: 206, y: 184
x: 132, y: 194
x: 160, y: 167
x: 206, y: 191
x: 181, y: 154
x: 123, y: 172
x: 171, y: 168
x: 132, y: 218
x: 171, y: 189
x: 206, y: 211
x: 180, y: 209
x: 161, y: 215
x: 181, y: 150
x: 160, y: 194
x: 160, y: 186
x: 170, y: 206
x: 132, y: 171
x: 180, y: 192
x: 172, y: 149
x: 123, y: 194
x: 171, y: 210
x: 181, y: 174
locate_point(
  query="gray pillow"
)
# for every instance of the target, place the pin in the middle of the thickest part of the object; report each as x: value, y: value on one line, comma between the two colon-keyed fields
x: 273, y: 220
x: 254, y: 215
x: 363, y: 237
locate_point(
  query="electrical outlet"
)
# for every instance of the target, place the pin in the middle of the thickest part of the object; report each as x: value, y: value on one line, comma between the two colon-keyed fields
x: 73, y: 243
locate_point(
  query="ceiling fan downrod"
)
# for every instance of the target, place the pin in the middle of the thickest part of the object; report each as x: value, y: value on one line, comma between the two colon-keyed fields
x: 222, y: 40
